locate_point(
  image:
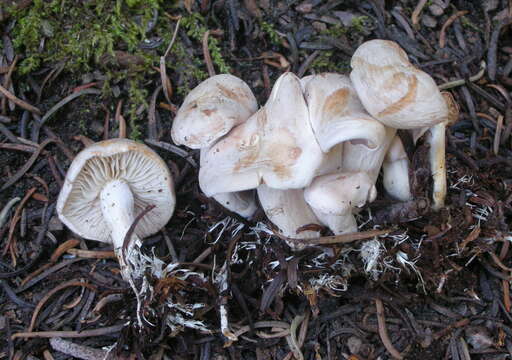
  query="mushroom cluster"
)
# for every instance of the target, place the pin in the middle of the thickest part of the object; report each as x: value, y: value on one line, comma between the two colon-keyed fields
x: 314, y: 151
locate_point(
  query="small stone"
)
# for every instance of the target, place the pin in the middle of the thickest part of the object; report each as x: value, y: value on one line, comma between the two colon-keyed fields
x: 346, y: 17
x: 354, y: 345
x: 478, y: 337
x: 319, y: 26
x: 428, y: 21
x: 436, y: 10
x: 304, y: 7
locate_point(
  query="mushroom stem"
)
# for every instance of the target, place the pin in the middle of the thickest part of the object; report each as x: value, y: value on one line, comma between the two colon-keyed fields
x: 396, y: 171
x: 334, y: 198
x: 436, y: 139
x: 241, y: 202
x: 117, y: 205
x: 288, y: 210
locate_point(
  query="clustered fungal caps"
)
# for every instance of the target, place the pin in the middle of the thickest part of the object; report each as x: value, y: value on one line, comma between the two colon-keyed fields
x: 313, y: 152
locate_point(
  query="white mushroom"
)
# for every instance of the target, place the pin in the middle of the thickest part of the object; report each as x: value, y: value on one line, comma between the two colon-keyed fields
x: 392, y: 90
x: 336, y: 195
x: 209, y: 112
x: 336, y: 114
x: 358, y: 157
x: 396, y: 171
x: 403, y: 97
x: 276, y: 146
x: 241, y: 202
x: 437, y: 153
x: 289, y: 211
x: 107, y: 185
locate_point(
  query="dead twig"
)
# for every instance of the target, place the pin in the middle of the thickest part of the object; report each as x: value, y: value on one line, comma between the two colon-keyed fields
x: 383, y: 331
x: 415, y: 17
x: 7, y: 82
x: 451, y: 19
x: 64, y: 247
x: 120, y: 120
x: 90, y: 254
x: 14, y: 221
x: 166, y: 84
x: 206, y: 54
x: 22, y: 104
x: 70, y: 334
x: 45, y: 298
x: 27, y: 165
x: 77, y: 351
x: 64, y: 101
x: 152, y: 128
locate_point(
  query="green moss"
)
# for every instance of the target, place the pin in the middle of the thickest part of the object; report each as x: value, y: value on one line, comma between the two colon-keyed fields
x: 79, y: 33
x: 138, y: 98
x: 271, y: 32
x: 327, y: 61
x: 195, y: 26
x: 360, y: 23
x: 334, y: 31
x: 85, y: 35
x: 189, y: 67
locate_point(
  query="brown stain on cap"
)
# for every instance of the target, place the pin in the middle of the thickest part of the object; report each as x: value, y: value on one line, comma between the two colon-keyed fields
x: 404, y: 101
x: 336, y: 103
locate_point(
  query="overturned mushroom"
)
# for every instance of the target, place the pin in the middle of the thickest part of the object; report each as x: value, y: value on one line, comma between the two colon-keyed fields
x: 276, y: 146
x: 209, y: 112
x: 107, y: 185
x: 335, y: 196
x: 402, y: 97
x: 289, y: 211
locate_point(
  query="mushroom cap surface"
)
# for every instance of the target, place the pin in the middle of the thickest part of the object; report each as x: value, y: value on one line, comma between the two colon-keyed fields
x: 339, y: 193
x: 147, y: 175
x: 336, y: 113
x: 211, y: 110
x: 393, y: 90
x: 276, y: 146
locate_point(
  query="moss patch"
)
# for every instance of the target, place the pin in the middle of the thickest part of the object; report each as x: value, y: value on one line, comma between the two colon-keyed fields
x: 110, y: 35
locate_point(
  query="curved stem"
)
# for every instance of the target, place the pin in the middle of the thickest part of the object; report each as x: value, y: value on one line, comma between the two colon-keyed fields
x: 117, y: 206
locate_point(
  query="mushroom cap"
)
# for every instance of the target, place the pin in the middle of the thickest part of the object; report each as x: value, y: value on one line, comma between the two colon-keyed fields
x: 336, y: 114
x: 339, y: 193
x: 394, y: 91
x: 275, y: 146
x: 147, y: 175
x: 211, y: 110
